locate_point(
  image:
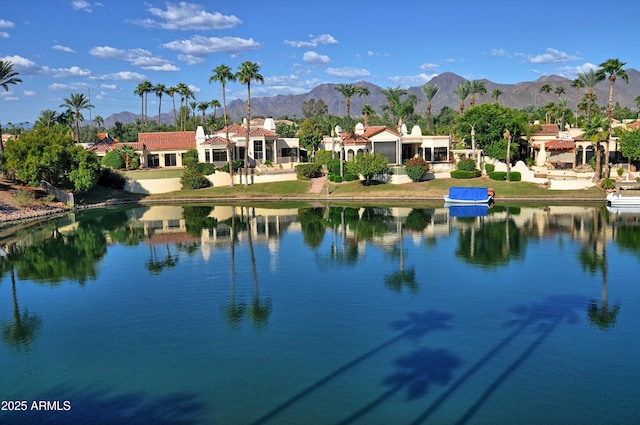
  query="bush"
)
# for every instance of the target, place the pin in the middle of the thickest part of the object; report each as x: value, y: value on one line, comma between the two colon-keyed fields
x: 111, y: 178
x: 349, y: 177
x: 416, y: 169
x: 529, y: 162
x: 236, y: 164
x: 465, y: 174
x: 608, y: 184
x: 514, y: 176
x: 206, y: 168
x: 489, y: 168
x: 193, y: 179
x: 24, y: 198
x: 113, y: 160
x: 307, y: 171
x: 498, y: 175
x: 323, y: 157
x: 466, y: 165
x: 620, y: 171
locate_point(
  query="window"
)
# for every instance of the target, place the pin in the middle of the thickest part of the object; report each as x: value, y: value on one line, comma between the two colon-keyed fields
x: 219, y: 155
x: 153, y: 160
x: 257, y: 149
x: 170, y: 160
x: 440, y: 155
x: 207, y: 155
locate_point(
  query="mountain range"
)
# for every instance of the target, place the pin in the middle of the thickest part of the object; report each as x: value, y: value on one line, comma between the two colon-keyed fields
x: 516, y: 96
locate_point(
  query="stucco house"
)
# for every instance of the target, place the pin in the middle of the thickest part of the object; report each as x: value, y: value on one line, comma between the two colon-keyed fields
x: 397, y: 146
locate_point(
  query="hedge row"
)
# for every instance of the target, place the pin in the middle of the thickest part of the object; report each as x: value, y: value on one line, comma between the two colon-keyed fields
x: 514, y: 176
x: 464, y: 174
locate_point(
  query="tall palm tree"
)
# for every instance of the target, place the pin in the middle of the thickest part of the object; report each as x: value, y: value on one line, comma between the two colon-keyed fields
x: 171, y: 91
x: 496, y: 94
x: 611, y: 68
x: 349, y: 90
x: 76, y: 103
x: 393, y: 98
x: 202, y: 107
x: 577, y: 84
x: 462, y: 91
x: 248, y: 71
x: 185, y: 94
x: 215, y: 104
x: 429, y: 91
x: 475, y: 87
x: 546, y: 89
x: 48, y: 117
x: 142, y: 90
x: 7, y: 77
x: 222, y: 74
x: 194, y: 106
x: 595, y: 130
x: 159, y: 89
x: 368, y: 110
x: 589, y: 79
x: 99, y: 121
x: 560, y: 91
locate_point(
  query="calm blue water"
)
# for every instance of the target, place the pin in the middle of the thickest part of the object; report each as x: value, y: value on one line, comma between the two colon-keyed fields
x: 165, y: 315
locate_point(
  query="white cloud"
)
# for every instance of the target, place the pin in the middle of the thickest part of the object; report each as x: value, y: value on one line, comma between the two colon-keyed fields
x: 81, y: 5
x: 63, y: 48
x: 68, y: 87
x: 429, y: 67
x: 347, y: 72
x: 109, y: 86
x: 22, y: 65
x: 325, y: 39
x: 372, y: 53
x: 188, y: 16
x: 29, y: 93
x: 4, y: 34
x: 106, y: 52
x: 200, y: 46
x: 137, y: 57
x: 71, y: 72
x: 191, y: 59
x: 6, y: 24
x: 410, y: 80
x: 315, y: 58
x: 571, y: 72
x: 121, y: 76
x: 552, y: 56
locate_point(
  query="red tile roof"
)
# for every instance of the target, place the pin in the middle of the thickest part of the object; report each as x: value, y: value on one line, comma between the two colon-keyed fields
x: 557, y: 145
x: 218, y: 141
x: 236, y: 130
x: 548, y: 129
x: 106, y: 144
x: 171, y: 140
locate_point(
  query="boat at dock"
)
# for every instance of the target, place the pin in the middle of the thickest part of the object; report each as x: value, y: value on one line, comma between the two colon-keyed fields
x: 469, y: 195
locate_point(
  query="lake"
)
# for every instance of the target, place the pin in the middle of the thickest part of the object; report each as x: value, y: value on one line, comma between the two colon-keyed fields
x: 277, y: 314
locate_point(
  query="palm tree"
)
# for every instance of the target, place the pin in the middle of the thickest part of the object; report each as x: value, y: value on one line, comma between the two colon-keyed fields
x: 215, y: 104
x: 24, y: 328
x: 349, y: 90
x: 577, y: 84
x: 248, y: 71
x: 560, y: 91
x: 589, y: 79
x: 429, y: 91
x: 222, y: 74
x: 462, y: 91
x: 546, y: 89
x: 637, y: 100
x: 202, y: 107
x: 612, y: 69
x: 594, y: 131
x: 48, y: 117
x: 77, y: 102
x: 185, y: 93
x: 368, y: 110
x: 475, y: 87
x: 171, y: 91
x: 7, y: 77
x: 99, y: 121
x: 159, y: 89
x: 141, y: 90
x: 496, y: 94
x: 193, y: 106
x: 393, y: 97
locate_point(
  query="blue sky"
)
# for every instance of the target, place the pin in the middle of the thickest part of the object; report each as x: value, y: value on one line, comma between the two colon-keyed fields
x: 105, y: 49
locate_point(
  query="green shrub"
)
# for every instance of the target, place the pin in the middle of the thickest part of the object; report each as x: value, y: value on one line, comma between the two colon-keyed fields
x: 323, y: 157
x: 349, y: 177
x: 620, y: 171
x: 113, y: 160
x: 236, y: 164
x: 206, y: 168
x: 416, y: 168
x: 193, y: 179
x: 515, y: 176
x: 466, y: 165
x: 111, y: 178
x: 465, y: 174
x: 335, y: 178
x: 489, y: 168
x: 24, y: 198
x: 307, y: 171
x: 608, y: 184
x: 498, y: 175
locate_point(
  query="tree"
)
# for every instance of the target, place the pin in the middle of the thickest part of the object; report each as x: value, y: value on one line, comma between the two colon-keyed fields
x: 159, y: 89
x: 7, y: 77
x: 546, y: 89
x: 141, y: 90
x: 128, y: 155
x: 50, y: 154
x: 310, y: 135
x: 475, y: 87
x: 588, y: 79
x: 367, y: 111
x: 630, y: 144
x: 462, y: 91
x: 496, y: 94
x: 393, y: 96
x: 99, y: 121
x: 248, y: 71
x: 48, y: 118
x: 612, y: 68
x: 577, y: 84
x: 595, y: 130
x: 429, y: 91
x: 202, y: 107
x: 349, y: 90
x: 76, y: 103
x: 171, y: 91
x: 369, y: 165
x: 222, y: 74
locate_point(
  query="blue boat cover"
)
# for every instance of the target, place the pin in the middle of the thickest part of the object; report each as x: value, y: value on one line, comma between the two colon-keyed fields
x: 481, y: 210
x: 468, y: 193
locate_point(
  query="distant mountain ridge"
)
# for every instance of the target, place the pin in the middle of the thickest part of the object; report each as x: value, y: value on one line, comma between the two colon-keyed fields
x: 516, y: 95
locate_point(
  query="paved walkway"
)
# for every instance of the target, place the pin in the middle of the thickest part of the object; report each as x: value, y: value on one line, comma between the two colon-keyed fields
x: 317, y: 184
